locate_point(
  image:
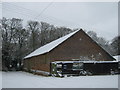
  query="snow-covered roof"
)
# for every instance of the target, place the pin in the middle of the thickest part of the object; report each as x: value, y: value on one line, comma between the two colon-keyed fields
x: 84, y: 61
x: 48, y: 47
x: 117, y: 57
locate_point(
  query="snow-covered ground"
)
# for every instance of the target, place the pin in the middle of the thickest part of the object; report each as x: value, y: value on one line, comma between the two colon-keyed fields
x: 0, y: 80
x: 27, y: 80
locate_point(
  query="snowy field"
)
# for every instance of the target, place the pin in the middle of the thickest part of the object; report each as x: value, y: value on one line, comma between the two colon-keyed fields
x: 0, y: 80
x: 27, y: 80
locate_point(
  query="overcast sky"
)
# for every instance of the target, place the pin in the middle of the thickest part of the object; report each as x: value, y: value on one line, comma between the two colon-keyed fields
x: 101, y: 17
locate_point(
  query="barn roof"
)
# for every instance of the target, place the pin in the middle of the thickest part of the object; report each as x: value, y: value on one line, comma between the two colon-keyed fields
x: 48, y: 47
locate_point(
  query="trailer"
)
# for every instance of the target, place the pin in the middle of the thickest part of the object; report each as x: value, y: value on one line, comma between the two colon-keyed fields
x: 77, y: 68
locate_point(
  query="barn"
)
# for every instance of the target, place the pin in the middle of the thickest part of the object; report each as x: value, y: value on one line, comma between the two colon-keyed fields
x: 76, y: 46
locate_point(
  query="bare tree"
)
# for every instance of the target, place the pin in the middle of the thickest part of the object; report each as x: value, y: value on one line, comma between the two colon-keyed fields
x: 14, y: 38
x: 34, y: 29
x: 115, y: 45
x: 101, y: 41
x: 9, y: 27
